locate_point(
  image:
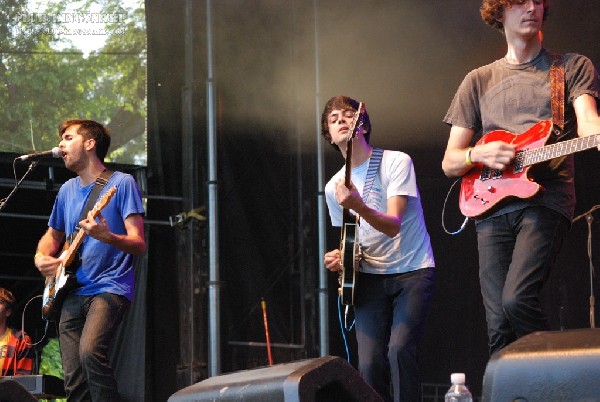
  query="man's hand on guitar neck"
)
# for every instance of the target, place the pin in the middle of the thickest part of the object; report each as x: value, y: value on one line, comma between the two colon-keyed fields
x: 95, y: 226
x: 348, y: 198
x: 387, y: 223
x: 333, y: 261
x: 131, y: 242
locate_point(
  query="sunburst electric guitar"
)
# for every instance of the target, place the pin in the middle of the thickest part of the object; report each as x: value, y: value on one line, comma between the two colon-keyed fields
x: 484, y: 189
x: 349, y: 246
x: 63, y: 281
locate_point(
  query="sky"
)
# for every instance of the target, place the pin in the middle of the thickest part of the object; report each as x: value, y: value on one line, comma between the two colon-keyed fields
x: 86, y: 31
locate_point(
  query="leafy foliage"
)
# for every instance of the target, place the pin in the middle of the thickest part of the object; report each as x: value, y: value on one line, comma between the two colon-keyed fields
x: 45, y: 78
x: 51, y: 363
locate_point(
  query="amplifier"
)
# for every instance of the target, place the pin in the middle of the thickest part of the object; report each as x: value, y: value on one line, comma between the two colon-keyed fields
x: 42, y: 386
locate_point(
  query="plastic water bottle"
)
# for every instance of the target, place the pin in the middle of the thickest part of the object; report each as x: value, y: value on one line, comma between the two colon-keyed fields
x: 458, y: 392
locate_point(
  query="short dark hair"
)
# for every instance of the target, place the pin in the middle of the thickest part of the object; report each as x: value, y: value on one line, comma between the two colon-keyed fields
x: 7, y: 298
x: 491, y: 11
x: 342, y: 102
x: 89, y: 129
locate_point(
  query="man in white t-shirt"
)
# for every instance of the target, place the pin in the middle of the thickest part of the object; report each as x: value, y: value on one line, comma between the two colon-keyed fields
x: 396, y: 278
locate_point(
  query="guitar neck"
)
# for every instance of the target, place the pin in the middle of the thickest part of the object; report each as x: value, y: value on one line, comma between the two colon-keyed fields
x: 347, y: 217
x: 70, y: 252
x: 548, y: 152
x: 348, y: 166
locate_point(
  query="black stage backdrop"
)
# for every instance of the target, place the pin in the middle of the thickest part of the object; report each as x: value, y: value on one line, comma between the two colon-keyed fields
x: 404, y: 59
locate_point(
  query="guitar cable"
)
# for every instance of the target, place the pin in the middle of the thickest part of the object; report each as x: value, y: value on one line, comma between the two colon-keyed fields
x: 22, y: 335
x: 464, y: 224
x: 23, y: 323
x: 343, y: 329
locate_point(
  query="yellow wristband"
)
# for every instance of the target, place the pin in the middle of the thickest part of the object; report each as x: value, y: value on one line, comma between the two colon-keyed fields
x: 468, y: 160
x: 37, y: 255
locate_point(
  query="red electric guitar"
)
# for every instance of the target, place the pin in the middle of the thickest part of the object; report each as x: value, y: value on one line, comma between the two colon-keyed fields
x: 483, y: 189
x: 349, y: 246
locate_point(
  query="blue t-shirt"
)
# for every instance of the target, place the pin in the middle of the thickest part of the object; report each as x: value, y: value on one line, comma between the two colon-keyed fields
x: 104, y: 268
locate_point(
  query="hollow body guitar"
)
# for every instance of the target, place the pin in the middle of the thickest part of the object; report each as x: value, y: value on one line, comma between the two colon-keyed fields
x: 483, y: 189
x: 349, y: 244
x: 58, y: 286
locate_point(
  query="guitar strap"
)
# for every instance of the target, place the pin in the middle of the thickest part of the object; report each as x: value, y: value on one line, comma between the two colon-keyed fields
x: 374, y: 163
x: 557, y: 92
x: 98, y: 186
x: 372, y: 170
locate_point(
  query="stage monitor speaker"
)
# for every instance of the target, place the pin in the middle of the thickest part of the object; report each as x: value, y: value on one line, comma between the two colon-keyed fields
x: 546, y: 366
x: 326, y: 378
x: 13, y: 391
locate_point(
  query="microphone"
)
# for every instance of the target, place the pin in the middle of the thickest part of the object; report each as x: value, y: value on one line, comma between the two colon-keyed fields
x: 54, y: 152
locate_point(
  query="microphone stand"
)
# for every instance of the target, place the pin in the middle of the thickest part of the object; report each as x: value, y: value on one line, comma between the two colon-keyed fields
x: 589, y: 219
x: 4, y: 201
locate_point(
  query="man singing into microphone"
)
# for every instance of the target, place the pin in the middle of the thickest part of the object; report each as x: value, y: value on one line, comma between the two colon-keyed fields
x: 91, y: 314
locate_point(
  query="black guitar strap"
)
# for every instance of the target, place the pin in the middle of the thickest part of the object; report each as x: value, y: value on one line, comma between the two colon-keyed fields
x: 98, y: 186
x: 557, y: 92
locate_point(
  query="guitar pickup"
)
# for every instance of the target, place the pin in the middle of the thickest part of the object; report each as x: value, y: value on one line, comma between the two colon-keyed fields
x: 486, y: 173
x: 518, y: 163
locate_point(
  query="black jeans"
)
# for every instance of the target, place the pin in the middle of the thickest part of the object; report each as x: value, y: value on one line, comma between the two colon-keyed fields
x: 516, y: 253
x: 390, y: 313
x: 87, y: 328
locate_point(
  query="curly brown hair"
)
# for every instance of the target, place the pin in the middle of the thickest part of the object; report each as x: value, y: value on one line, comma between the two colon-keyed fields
x: 491, y: 11
x: 7, y: 298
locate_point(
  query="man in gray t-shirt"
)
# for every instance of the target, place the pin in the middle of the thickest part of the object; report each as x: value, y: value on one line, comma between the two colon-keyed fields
x: 519, y: 238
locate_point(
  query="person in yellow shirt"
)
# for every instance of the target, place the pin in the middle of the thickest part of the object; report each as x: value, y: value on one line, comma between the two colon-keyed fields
x: 16, y: 355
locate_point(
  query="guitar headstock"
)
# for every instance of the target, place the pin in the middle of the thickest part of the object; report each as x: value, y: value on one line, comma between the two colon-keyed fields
x: 358, y: 120
x: 103, y: 200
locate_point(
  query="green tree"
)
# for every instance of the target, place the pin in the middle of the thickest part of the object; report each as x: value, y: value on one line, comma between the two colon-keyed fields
x: 45, y: 78
x: 50, y: 362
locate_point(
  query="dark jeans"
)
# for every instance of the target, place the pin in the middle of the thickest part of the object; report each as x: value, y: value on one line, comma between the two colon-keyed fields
x: 86, y: 329
x: 390, y: 313
x: 516, y: 253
